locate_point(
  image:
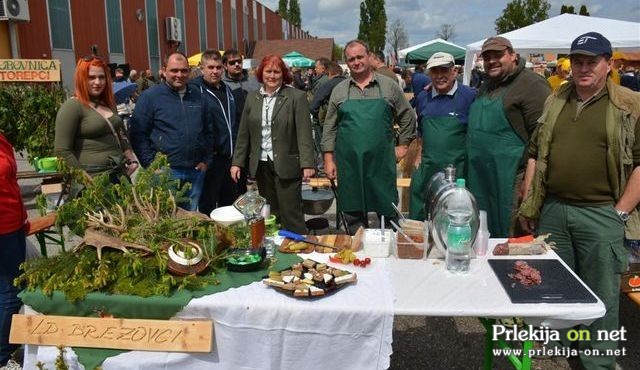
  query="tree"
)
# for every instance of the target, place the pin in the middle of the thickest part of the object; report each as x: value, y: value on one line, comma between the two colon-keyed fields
x: 282, y: 9
x: 294, y: 12
x: 373, y: 24
x: 447, y: 32
x: 567, y: 9
x: 397, y: 37
x: 521, y: 13
x: 584, y: 11
x: 338, y: 52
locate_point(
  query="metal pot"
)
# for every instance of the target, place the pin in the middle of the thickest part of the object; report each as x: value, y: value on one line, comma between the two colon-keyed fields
x: 316, y: 201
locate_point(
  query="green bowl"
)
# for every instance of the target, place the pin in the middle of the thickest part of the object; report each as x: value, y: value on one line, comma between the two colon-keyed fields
x: 245, y: 260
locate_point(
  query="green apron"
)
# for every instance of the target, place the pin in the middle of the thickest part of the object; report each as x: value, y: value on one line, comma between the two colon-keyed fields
x: 443, y: 141
x: 365, y: 156
x: 494, y: 152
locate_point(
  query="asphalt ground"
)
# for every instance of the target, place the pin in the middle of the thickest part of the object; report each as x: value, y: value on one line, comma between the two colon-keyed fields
x: 437, y: 342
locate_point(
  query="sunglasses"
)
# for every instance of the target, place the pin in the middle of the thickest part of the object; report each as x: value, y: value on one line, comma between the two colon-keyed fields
x: 234, y: 62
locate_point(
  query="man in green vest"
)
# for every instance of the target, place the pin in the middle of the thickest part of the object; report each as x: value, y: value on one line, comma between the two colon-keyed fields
x: 585, y: 161
x: 358, y: 141
x: 501, y: 120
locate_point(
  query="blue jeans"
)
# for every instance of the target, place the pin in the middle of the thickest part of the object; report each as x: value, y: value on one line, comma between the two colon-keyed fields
x: 196, y: 179
x: 12, y: 254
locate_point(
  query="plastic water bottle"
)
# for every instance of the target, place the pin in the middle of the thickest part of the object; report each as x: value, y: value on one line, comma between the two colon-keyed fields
x: 459, y: 212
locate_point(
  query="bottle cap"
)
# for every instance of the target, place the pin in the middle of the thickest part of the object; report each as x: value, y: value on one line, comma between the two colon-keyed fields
x: 460, y: 183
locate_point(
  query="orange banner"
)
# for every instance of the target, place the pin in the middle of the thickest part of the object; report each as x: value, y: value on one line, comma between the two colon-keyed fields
x: 29, y: 70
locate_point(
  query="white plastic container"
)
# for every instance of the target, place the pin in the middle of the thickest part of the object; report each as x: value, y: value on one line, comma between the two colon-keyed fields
x: 377, y: 244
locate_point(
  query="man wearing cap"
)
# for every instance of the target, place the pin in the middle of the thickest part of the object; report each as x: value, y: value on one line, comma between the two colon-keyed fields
x: 585, y: 161
x: 501, y: 120
x: 358, y: 140
x: 443, y: 112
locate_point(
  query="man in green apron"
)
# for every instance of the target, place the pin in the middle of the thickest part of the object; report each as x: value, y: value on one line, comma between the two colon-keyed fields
x: 358, y: 141
x: 443, y: 111
x: 501, y: 120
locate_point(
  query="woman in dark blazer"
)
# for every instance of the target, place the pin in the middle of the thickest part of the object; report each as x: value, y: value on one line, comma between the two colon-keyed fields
x: 275, y: 134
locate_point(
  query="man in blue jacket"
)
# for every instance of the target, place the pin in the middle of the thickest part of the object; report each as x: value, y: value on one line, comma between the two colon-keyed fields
x: 172, y: 118
x: 218, y: 190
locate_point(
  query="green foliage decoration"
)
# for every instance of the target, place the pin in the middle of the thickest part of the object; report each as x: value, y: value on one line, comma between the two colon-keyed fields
x: 28, y: 114
x: 144, y: 213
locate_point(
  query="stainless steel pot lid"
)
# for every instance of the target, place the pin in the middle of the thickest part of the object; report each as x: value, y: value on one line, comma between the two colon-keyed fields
x: 317, y: 194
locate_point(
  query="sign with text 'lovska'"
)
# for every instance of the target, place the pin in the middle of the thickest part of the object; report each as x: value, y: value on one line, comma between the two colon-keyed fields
x: 29, y: 70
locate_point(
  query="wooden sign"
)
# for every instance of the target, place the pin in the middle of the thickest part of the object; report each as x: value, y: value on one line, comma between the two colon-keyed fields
x: 132, y: 334
x: 29, y: 70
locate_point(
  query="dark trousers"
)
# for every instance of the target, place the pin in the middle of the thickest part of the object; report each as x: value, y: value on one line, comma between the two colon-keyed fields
x: 284, y: 196
x: 219, y: 189
x: 12, y: 254
x: 590, y: 241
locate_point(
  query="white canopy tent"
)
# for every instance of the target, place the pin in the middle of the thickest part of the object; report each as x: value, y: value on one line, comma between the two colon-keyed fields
x: 554, y: 35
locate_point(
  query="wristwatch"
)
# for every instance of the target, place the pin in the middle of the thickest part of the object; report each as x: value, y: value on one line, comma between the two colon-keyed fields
x: 624, y: 216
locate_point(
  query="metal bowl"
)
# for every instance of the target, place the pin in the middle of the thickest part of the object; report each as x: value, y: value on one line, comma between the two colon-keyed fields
x: 316, y: 201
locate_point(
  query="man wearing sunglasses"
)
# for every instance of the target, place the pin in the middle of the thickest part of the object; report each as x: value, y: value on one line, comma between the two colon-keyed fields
x: 237, y: 78
x: 172, y: 118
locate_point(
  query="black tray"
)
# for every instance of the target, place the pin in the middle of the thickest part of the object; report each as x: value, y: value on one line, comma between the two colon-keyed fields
x: 558, y: 284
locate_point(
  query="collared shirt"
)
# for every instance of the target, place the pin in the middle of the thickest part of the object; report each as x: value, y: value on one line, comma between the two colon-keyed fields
x: 451, y: 92
x: 404, y: 115
x: 455, y: 103
x: 268, y: 103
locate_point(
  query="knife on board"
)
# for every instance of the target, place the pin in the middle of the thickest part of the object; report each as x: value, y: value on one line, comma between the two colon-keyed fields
x: 301, y: 238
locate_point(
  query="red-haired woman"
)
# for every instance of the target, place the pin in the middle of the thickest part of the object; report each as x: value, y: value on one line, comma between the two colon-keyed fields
x: 275, y: 135
x: 89, y: 133
x: 13, y: 219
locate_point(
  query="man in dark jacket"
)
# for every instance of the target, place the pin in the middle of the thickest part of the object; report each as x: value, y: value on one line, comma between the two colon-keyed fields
x: 172, y: 118
x: 218, y: 190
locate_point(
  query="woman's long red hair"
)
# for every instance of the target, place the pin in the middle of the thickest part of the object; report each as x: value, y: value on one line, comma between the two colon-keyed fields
x: 81, y: 78
x: 278, y: 62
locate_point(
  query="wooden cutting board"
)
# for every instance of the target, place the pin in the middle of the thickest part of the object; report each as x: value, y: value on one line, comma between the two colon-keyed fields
x: 339, y: 241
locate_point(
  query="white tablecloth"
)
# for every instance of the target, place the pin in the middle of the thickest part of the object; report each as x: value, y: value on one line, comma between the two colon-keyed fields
x: 256, y: 327
x: 430, y: 290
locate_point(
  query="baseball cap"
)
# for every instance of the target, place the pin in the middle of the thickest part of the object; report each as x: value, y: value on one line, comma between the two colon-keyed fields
x: 592, y: 44
x: 440, y: 59
x: 496, y: 43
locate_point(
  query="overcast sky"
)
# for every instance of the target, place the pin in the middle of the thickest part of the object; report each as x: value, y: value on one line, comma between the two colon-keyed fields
x: 473, y: 19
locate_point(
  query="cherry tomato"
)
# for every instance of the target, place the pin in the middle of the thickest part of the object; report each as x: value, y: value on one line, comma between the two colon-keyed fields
x: 367, y: 260
x: 356, y: 262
